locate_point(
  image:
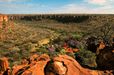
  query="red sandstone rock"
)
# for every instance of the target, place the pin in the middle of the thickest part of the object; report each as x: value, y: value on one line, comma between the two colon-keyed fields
x: 73, y: 67
x: 36, y: 67
x: 17, y: 68
x: 61, y: 65
x: 59, y: 68
x: 3, y: 17
x: 4, y: 65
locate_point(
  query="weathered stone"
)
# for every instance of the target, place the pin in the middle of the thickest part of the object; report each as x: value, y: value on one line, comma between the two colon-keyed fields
x: 105, y: 58
x: 4, y: 65
x: 16, y: 68
x: 59, y: 68
x: 35, y: 67
x: 59, y: 65
x: 73, y: 67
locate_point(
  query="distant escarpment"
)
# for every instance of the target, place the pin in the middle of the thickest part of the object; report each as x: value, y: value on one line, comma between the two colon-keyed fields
x: 64, y: 18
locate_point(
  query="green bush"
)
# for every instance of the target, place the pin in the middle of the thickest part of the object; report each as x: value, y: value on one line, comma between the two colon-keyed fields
x: 88, y: 57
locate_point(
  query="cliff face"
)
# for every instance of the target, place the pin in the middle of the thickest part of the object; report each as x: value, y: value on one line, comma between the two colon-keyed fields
x: 43, y: 65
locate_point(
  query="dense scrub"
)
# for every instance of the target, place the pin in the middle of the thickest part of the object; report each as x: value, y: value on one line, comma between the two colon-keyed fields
x: 21, y: 41
x: 53, y: 38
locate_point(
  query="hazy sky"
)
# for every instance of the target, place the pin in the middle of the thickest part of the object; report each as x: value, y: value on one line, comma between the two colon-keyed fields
x: 56, y: 6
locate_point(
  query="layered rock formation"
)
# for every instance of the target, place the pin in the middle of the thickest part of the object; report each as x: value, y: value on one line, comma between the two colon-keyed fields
x: 43, y: 65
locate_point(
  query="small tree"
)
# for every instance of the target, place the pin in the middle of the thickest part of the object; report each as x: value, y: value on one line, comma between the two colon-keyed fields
x: 106, y: 33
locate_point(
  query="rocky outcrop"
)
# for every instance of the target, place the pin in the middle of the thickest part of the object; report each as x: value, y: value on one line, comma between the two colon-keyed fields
x: 43, y: 65
x: 4, y: 66
x: 104, y: 53
x: 3, y: 18
x: 35, y: 66
x: 73, y: 67
x: 65, y: 65
x: 105, y: 58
